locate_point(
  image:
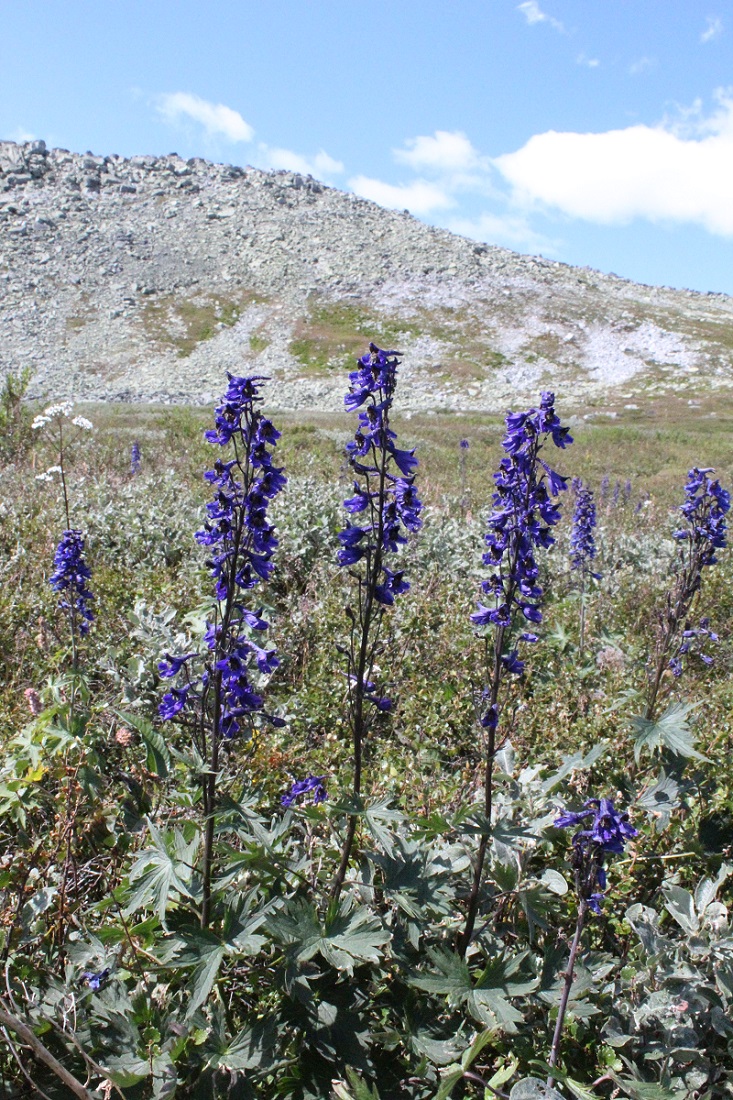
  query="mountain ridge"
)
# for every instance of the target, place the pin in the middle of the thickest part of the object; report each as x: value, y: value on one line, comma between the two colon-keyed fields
x: 143, y: 278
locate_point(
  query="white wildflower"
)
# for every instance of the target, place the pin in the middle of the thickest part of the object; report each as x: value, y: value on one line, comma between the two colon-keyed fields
x: 63, y: 408
x: 48, y: 475
x: 82, y: 422
x: 40, y: 422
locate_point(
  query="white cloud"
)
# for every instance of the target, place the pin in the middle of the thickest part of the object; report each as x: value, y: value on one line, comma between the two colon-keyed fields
x: 321, y: 165
x: 642, y: 65
x: 444, y: 152
x: 641, y: 171
x: 713, y: 28
x: 217, y: 120
x: 532, y: 12
x: 510, y: 230
x: 589, y: 62
x: 419, y: 197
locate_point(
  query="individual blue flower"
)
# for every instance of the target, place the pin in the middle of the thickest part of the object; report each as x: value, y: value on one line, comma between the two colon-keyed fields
x: 70, y: 578
x: 135, y: 458
x: 96, y: 981
x: 314, y: 784
x: 171, y: 666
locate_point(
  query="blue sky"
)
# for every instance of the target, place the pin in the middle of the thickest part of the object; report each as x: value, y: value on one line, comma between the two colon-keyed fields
x: 597, y: 133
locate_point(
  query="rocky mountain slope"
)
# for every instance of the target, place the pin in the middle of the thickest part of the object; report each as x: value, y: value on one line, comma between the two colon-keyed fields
x: 143, y: 279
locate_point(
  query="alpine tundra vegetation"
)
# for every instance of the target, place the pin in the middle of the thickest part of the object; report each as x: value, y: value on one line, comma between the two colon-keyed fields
x: 336, y: 863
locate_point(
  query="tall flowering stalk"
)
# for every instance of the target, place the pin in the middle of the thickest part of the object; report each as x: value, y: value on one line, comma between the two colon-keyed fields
x: 583, y: 544
x: 464, y: 447
x: 71, y: 573
x: 222, y: 702
x: 520, y: 524
x: 386, y: 505
x: 705, y: 528
x: 605, y: 833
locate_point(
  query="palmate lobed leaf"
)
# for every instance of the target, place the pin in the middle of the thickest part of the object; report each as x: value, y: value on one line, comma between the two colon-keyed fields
x: 671, y: 731
x: 349, y: 936
x: 157, y: 875
x: 487, y: 999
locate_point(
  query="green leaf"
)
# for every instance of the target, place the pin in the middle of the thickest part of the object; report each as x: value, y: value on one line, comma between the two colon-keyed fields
x: 360, y: 1088
x: 554, y: 882
x: 671, y: 731
x: 451, y: 1076
x: 659, y: 800
x: 349, y: 935
x: 251, y: 1048
x: 156, y: 875
x: 376, y: 816
x: 441, y: 1052
x: 681, y: 905
x: 469, y: 1056
x: 531, y: 1088
x: 159, y: 758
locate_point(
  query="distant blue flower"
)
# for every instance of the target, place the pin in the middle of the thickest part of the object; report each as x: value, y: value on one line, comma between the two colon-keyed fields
x: 70, y: 578
x: 582, y: 542
x: 135, y: 458
x: 314, y: 784
x: 464, y: 444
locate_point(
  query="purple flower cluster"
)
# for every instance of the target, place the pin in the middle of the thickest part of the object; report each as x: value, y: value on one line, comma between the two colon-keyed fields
x: 521, y: 521
x: 582, y: 542
x: 705, y: 507
x: 70, y: 577
x: 314, y: 784
x: 387, y: 500
x: 691, y: 642
x: 606, y: 832
x: 135, y: 458
x: 242, y: 541
x: 96, y: 981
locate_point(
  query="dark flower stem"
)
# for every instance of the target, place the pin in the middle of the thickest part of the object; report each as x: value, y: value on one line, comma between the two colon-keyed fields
x: 210, y: 779
x: 494, y: 680
x: 569, y: 974
x: 370, y: 613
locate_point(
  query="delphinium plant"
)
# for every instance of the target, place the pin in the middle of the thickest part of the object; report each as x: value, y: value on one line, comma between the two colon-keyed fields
x: 602, y: 831
x: 71, y: 573
x: 704, y: 532
x: 524, y: 513
x: 135, y: 458
x: 384, y: 507
x: 70, y: 579
x: 221, y: 701
x: 583, y: 545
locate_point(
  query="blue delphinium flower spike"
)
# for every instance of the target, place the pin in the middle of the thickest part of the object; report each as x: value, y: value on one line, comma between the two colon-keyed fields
x: 314, y: 784
x: 601, y: 830
x: 70, y: 578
